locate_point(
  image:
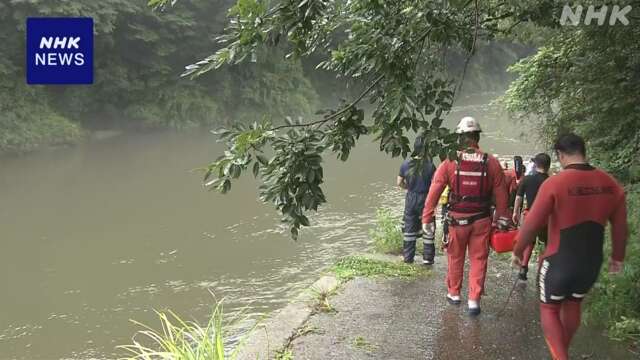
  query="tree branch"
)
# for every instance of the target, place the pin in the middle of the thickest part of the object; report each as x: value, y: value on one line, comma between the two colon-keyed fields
x: 472, y: 51
x: 337, y: 114
x: 420, y: 40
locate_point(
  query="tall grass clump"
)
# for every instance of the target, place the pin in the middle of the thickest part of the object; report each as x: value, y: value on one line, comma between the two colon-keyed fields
x: 350, y: 267
x: 614, y: 300
x: 387, y: 235
x: 178, y: 339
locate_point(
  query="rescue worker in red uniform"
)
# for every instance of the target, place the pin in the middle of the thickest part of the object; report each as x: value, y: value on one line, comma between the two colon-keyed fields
x: 576, y: 204
x: 473, y: 179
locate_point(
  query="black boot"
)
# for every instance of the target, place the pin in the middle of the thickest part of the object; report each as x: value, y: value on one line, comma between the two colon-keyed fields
x: 428, y: 254
x: 522, y: 275
x: 409, y: 251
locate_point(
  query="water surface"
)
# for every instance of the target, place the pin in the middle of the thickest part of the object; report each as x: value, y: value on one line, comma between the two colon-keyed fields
x: 101, y: 233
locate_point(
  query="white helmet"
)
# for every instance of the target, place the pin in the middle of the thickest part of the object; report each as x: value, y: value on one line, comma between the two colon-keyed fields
x: 468, y: 124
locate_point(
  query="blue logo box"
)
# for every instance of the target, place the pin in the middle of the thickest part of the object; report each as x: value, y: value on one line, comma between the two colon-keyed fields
x: 59, y: 50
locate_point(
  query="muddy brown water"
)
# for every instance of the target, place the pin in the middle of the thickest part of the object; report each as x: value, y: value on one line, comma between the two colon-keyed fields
x: 95, y: 235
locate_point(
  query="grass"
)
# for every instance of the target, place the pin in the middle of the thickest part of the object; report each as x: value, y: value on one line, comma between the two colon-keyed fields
x: 307, y: 329
x: 350, y: 267
x: 613, y: 301
x: 387, y: 235
x: 181, y: 340
x: 284, y: 354
x: 361, y: 343
x: 321, y: 302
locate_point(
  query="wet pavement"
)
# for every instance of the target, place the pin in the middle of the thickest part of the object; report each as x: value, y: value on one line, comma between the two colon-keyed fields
x: 410, y: 319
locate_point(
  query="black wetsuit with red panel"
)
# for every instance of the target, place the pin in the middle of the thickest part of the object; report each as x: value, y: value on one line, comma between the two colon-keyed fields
x: 577, y: 204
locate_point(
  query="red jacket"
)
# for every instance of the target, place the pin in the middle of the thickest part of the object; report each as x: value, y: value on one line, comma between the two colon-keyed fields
x: 510, y: 180
x: 443, y: 177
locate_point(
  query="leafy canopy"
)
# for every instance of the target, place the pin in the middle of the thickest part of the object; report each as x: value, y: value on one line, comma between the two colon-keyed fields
x: 394, y: 50
x: 586, y: 79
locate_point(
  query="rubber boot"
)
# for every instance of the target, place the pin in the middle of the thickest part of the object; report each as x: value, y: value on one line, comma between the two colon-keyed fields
x: 429, y: 253
x: 409, y: 251
x: 429, y: 248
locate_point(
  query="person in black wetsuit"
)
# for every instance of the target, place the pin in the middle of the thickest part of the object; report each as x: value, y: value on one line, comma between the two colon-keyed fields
x: 528, y: 189
x: 576, y: 205
x: 417, y: 185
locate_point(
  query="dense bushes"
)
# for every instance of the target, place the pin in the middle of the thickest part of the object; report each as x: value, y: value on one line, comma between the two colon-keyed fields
x: 139, y: 55
x: 614, y: 301
x: 27, y: 121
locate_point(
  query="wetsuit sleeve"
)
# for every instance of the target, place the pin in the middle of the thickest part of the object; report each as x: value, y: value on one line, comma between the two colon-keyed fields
x: 438, y: 184
x: 537, y: 218
x: 499, y: 188
x: 619, y: 230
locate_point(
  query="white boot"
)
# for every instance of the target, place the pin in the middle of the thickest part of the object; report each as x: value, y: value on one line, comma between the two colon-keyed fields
x: 474, y: 308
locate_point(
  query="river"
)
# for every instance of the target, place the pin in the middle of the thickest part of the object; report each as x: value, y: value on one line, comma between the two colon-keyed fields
x: 101, y: 233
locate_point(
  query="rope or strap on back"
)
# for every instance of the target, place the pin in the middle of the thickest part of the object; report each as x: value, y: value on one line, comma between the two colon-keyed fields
x: 484, y: 171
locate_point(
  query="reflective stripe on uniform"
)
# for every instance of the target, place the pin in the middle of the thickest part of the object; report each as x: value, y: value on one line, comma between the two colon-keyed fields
x: 412, y: 233
x: 543, y: 273
x: 472, y: 173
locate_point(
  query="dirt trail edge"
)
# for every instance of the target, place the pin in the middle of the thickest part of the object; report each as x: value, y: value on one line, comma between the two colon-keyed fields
x: 392, y: 318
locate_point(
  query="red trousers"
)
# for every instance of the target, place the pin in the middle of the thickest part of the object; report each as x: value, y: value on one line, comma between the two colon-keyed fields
x: 474, y: 237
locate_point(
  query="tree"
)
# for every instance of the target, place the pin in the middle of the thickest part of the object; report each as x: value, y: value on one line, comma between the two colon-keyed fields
x: 586, y: 79
x: 138, y: 57
x: 394, y: 49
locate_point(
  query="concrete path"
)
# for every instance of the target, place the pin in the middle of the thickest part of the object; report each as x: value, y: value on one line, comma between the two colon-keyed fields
x: 410, y: 319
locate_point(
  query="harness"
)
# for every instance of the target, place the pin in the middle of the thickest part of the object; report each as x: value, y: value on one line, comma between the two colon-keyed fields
x: 461, y: 200
x: 479, y: 203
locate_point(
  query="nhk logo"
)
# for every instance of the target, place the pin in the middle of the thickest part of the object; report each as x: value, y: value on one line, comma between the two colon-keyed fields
x: 59, y: 51
x: 573, y: 16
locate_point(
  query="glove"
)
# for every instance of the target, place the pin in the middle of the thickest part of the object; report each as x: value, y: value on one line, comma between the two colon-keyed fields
x: 615, y: 266
x: 503, y: 223
x: 516, y: 261
x: 429, y: 229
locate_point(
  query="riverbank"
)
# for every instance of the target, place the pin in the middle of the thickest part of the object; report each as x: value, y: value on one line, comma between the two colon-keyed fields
x: 381, y: 317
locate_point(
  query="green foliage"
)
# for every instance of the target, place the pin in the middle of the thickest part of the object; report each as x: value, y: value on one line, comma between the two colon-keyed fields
x: 361, y: 343
x: 387, y: 235
x: 625, y: 329
x: 321, y: 300
x: 139, y: 54
x: 396, y: 52
x: 350, y: 267
x: 393, y: 49
x: 284, y: 354
x: 584, y: 79
x: 26, y: 121
x: 180, y: 339
x: 614, y: 299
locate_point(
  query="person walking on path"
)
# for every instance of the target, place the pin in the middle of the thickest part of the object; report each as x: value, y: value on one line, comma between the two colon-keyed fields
x: 417, y: 185
x: 577, y: 204
x: 528, y: 189
x: 512, y: 178
x: 473, y: 179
